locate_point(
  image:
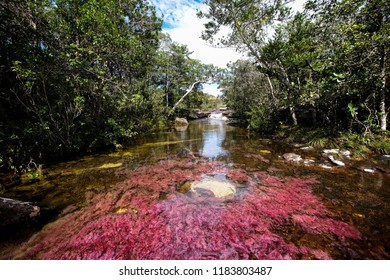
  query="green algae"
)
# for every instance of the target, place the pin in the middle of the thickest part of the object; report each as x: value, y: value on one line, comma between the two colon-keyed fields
x: 165, y: 143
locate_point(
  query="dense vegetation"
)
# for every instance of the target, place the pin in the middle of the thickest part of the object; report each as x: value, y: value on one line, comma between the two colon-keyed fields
x: 325, y: 67
x: 77, y: 76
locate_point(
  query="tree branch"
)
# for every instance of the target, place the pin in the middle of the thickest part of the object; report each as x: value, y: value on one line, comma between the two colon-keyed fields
x: 188, y: 92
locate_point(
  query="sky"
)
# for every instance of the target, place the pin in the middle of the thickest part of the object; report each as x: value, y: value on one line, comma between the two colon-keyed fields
x: 184, y: 27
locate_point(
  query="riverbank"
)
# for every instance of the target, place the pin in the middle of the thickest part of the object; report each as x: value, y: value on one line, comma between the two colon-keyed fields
x: 361, y: 146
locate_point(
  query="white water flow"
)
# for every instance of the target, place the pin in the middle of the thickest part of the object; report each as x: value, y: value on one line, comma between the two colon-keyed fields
x: 218, y: 116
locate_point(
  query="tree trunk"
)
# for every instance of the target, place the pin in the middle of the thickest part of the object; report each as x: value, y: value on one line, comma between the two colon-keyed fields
x: 287, y: 83
x: 292, y: 109
x: 382, y: 92
x: 274, y: 99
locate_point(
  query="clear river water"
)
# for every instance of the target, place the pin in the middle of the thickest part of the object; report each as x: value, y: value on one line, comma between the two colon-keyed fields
x: 210, y: 191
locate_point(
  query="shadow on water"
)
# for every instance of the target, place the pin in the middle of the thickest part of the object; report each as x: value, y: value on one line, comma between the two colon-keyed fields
x: 351, y: 196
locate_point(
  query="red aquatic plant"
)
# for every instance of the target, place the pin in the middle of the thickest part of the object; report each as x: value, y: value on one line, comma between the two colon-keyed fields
x: 237, y: 175
x: 145, y: 217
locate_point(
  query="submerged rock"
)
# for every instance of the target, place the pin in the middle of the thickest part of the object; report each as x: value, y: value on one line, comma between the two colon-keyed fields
x: 364, y: 166
x: 220, y: 188
x: 309, y: 162
x: 8, y: 181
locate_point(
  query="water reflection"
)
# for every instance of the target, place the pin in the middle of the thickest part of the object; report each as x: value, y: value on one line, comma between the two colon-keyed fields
x: 350, y: 195
x: 213, y: 137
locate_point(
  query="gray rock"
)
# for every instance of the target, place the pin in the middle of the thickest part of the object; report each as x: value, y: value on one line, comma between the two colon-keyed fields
x: 292, y: 157
x: 331, y: 151
x: 308, y: 162
x: 307, y: 148
x: 346, y: 153
x: 335, y: 161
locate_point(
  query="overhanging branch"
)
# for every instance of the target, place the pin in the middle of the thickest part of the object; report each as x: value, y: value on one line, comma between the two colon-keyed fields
x: 187, y: 93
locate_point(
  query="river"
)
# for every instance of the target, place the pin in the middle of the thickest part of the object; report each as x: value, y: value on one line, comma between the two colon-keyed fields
x: 210, y: 191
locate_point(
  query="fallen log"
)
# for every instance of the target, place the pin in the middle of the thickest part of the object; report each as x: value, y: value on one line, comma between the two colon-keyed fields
x: 14, y: 211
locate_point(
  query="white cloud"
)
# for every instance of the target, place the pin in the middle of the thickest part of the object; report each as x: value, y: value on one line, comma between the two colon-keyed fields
x: 186, y: 28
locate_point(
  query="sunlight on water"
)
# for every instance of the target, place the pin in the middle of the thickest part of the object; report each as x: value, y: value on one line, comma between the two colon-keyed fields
x: 213, y: 136
x: 211, y: 179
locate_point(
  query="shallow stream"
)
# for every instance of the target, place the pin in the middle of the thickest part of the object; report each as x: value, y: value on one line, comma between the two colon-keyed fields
x: 210, y: 191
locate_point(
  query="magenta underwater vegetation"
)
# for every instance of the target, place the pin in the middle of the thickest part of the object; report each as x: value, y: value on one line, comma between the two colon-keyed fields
x: 155, y: 214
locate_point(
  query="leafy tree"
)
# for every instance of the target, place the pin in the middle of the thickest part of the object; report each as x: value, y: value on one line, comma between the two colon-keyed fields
x: 180, y: 77
x: 250, y: 23
x: 76, y: 75
x: 245, y: 92
x: 354, y: 38
x: 329, y: 62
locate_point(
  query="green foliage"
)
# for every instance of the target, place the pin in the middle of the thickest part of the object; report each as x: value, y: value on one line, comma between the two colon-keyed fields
x: 211, y: 102
x: 176, y: 72
x: 245, y: 91
x: 381, y: 145
x: 357, y: 143
x: 78, y: 76
x: 328, y: 65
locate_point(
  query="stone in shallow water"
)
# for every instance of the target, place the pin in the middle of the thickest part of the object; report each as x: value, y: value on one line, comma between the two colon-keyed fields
x: 292, y: 157
x: 220, y: 188
x: 369, y: 170
x: 335, y: 161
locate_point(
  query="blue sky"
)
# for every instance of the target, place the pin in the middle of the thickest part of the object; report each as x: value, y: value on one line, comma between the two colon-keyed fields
x: 173, y: 10
x: 184, y: 27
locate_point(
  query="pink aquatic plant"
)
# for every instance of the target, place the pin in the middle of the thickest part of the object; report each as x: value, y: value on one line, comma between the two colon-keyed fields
x: 237, y: 175
x: 147, y: 217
